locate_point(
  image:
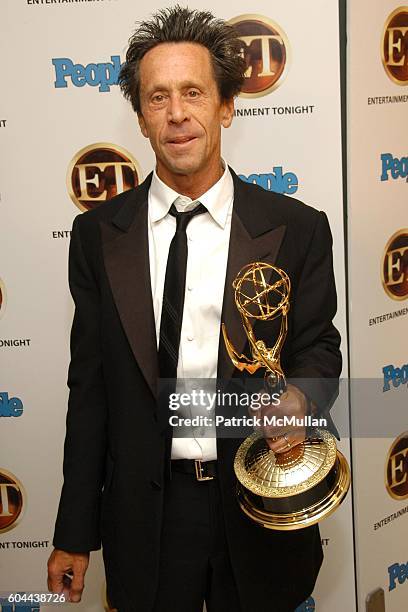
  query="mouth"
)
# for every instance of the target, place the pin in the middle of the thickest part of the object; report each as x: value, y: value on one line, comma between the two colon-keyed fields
x: 181, y: 142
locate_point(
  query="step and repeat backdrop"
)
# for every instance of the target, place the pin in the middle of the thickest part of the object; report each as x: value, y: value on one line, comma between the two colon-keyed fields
x: 378, y: 281
x: 69, y: 141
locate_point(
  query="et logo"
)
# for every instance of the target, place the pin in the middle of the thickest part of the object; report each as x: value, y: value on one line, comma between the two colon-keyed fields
x: 265, y: 48
x: 277, y: 181
x: 394, y: 268
x: 12, y: 501
x: 10, y: 407
x: 394, y: 46
x: 397, y: 571
x: 99, y: 172
x: 396, y: 469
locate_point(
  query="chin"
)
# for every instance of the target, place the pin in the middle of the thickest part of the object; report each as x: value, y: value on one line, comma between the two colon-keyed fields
x: 184, y: 167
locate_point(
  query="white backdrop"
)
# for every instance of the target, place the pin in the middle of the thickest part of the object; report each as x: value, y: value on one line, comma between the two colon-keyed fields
x: 378, y: 110
x: 296, y: 129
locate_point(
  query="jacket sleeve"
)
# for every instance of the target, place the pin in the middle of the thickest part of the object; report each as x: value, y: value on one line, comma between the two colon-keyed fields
x: 315, y: 359
x: 77, y: 524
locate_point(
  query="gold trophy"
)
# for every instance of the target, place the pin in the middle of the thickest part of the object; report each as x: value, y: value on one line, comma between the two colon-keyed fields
x: 297, y: 488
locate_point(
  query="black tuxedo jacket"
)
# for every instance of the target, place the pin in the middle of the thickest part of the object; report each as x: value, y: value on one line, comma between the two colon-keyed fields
x: 115, y: 447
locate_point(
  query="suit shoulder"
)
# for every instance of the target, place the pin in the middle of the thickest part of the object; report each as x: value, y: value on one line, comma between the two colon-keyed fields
x: 109, y: 209
x: 106, y: 210
x: 290, y: 209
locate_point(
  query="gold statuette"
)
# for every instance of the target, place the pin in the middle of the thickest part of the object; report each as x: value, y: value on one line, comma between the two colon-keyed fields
x: 297, y: 488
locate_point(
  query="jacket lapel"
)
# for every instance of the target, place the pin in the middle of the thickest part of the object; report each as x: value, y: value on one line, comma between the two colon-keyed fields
x: 126, y: 253
x: 257, y: 233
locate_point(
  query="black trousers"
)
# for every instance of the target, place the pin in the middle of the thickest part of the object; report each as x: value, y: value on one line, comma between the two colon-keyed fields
x: 194, y: 559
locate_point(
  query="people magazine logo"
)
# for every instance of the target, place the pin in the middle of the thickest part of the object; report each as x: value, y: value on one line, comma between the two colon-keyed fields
x: 265, y: 48
x: 394, y: 377
x: 99, y: 172
x: 101, y: 75
x: 396, y: 468
x: 397, y: 574
x: 394, y: 268
x: 12, y: 501
x: 394, y: 46
x: 3, y: 298
x: 277, y: 180
x: 10, y: 406
x: 394, y: 167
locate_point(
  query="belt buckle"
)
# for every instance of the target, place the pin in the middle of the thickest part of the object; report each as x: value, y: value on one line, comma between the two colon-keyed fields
x: 199, y: 471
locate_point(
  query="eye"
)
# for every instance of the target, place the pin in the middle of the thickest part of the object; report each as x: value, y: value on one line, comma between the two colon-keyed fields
x: 158, y: 99
x: 193, y: 93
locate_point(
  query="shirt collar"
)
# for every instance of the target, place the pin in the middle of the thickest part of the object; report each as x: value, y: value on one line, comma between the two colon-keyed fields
x: 217, y: 199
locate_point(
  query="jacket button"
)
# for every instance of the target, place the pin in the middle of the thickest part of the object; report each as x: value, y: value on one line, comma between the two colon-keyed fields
x: 155, y: 485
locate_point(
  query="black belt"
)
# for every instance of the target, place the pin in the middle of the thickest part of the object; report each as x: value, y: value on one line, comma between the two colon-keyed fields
x: 202, y: 470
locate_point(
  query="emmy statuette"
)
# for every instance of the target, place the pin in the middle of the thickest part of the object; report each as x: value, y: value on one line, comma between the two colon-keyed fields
x: 297, y: 488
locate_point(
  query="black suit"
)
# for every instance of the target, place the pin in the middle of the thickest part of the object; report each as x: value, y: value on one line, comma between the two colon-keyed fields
x: 115, y: 449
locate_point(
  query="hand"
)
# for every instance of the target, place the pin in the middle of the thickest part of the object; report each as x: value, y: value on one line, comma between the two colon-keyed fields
x: 59, y: 564
x: 293, y: 403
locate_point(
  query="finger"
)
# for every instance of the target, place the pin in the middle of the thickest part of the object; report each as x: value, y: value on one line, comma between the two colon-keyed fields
x: 278, y: 430
x: 55, y: 585
x: 77, y: 582
x: 54, y: 580
x: 77, y: 586
x: 296, y: 431
x: 277, y: 445
x: 273, y: 432
x: 285, y: 443
x: 67, y: 586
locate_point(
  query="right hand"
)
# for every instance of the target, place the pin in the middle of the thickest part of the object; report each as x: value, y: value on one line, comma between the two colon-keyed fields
x: 59, y: 564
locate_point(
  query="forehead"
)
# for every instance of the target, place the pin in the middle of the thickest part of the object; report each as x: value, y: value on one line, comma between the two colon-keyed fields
x: 175, y: 62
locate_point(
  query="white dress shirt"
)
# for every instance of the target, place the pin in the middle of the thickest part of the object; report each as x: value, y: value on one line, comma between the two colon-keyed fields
x: 208, y: 239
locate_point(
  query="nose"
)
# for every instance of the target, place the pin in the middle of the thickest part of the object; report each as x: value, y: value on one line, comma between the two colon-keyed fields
x: 177, y: 110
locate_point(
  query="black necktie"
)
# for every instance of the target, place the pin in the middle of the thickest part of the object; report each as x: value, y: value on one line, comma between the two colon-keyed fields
x: 173, y: 294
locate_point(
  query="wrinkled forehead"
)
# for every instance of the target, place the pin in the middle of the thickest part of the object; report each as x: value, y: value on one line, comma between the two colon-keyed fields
x: 176, y: 65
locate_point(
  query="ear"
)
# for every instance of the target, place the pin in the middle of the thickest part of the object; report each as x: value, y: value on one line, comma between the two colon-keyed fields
x: 142, y: 125
x: 227, y: 112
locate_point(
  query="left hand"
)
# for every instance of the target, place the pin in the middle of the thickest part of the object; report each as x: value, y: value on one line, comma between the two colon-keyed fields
x: 293, y: 403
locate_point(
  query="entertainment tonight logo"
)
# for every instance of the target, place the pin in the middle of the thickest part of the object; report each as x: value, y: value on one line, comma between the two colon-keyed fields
x: 99, y: 172
x: 394, y: 267
x: 12, y: 500
x: 396, y: 470
x: 265, y: 48
x: 394, y: 46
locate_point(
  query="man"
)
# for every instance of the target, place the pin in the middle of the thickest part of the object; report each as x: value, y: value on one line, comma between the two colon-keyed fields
x: 163, y: 507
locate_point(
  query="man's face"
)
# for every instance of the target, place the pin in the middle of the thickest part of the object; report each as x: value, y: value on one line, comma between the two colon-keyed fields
x: 181, y: 109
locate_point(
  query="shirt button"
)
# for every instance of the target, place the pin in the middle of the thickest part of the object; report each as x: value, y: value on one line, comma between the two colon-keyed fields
x: 190, y: 338
x: 189, y: 288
